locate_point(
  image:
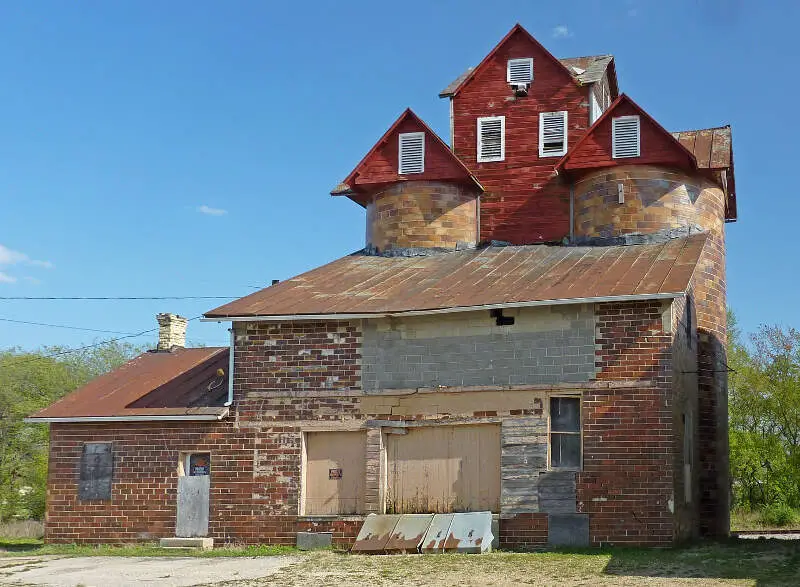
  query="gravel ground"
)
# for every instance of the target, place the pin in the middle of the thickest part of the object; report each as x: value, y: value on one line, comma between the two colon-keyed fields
x: 138, y: 571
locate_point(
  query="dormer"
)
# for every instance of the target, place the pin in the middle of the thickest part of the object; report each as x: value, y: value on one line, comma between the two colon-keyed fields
x: 418, y: 195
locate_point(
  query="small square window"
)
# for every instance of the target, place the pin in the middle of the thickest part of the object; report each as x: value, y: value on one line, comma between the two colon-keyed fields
x: 520, y: 71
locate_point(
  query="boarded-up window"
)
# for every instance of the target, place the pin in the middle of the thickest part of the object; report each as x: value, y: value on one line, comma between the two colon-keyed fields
x: 444, y: 469
x: 97, y: 470
x: 335, y: 473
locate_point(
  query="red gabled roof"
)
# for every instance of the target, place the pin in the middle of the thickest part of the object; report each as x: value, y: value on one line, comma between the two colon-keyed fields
x: 379, y: 167
x: 658, y: 146
x: 462, y: 80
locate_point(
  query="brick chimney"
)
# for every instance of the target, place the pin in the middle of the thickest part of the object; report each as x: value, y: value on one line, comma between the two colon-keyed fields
x: 171, y: 331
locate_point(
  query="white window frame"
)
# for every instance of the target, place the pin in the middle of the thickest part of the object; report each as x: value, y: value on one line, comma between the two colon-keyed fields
x: 528, y: 60
x: 550, y: 433
x: 502, y: 157
x: 563, y: 150
x: 614, y: 123
x: 400, y: 170
x: 595, y: 108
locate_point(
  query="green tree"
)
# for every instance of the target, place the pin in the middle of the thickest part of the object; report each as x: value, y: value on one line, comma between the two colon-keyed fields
x: 764, y: 404
x: 30, y: 381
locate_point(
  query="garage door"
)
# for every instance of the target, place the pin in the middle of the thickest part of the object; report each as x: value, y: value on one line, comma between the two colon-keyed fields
x: 444, y: 469
x: 335, y: 473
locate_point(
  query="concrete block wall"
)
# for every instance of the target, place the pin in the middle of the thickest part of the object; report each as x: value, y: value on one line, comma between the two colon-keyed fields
x: 544, y: 345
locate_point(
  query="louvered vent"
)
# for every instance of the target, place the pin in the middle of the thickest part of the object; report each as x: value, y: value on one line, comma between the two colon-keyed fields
x: 411, y: 152
x: 552, y: 134
x: 520, y: 71
x: 491, y: 138
x: 625, y: 139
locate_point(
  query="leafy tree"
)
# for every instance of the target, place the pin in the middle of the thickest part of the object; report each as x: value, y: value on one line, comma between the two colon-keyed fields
x: 764, y: 404
x: 30, y: 381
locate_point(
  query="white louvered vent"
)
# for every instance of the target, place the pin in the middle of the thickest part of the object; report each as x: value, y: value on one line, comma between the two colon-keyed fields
x: 520, y: 71
x: 411, y: 153
x: 552, y: 134
x: 625, y: 139
x: 491, y: 138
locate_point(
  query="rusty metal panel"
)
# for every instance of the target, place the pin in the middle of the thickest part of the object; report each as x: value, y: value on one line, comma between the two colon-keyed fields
x: 365, y: 284
x: 470, y: 533
x: 435, y: 537
x: 335, y: 473
x: 442, y: 469
x: 154, y: 383
x: 375, y: 533
x: 408, y: 533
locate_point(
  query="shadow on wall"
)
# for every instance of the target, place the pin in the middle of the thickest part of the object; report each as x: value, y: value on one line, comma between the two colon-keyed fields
x: 762, y: 562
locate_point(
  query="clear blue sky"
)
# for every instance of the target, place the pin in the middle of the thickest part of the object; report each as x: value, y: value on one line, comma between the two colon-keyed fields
x: 120, y: 120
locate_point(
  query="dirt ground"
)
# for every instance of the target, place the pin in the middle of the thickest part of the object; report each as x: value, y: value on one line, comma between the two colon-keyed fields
x: 735, y: 562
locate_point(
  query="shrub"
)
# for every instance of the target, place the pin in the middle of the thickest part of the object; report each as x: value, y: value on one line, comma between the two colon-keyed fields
x: 778, y: 514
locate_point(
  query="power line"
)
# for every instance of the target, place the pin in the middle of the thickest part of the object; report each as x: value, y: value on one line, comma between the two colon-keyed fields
x: 97, y: 344
x: 62, y: 326
x: 118, y: 297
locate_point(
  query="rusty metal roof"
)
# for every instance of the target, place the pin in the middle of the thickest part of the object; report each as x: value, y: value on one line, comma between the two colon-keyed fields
x: 181, y: 382
x: 710, y: 146
x: 365, y: 284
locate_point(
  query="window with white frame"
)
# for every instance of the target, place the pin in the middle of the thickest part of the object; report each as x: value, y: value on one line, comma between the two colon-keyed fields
x: 565, y: 432
x: 625, y: 137
x: 595, y: 110
x: 491, y: 138
x: 552, y: 134
x: 520, y: 71
x: 411, y: 153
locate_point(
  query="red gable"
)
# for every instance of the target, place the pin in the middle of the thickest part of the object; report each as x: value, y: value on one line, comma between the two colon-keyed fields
x: 380, y: 165
x: 657, y: 145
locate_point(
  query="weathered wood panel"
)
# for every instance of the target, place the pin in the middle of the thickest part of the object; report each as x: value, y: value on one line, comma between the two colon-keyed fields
x: 193, y: 506
x: 444, y: 469
x: 97, y: 471
x: 335, y: 472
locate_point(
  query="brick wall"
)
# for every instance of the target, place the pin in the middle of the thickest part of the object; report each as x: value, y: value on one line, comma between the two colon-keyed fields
x: 524, y: 201
x: 423, y: 214
x: 297, y: 355
x: 626, y: 485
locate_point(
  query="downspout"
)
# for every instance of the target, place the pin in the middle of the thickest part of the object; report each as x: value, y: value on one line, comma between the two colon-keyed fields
x: 230, y: 368
x: 571, y: 213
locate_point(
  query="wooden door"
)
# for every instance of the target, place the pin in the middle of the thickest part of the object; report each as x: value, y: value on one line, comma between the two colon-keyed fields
x: 335, y: 473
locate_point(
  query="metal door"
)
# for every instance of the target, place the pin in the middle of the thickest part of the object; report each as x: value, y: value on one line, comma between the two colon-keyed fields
x: 194, y: 487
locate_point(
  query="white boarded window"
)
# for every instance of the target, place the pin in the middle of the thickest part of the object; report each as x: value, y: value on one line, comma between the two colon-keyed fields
x: 594, y: 107
x: 520, y: 71
x: 625, y: 139
x: 491, y: 138
x: 552, y: 134
x: 411, y: 152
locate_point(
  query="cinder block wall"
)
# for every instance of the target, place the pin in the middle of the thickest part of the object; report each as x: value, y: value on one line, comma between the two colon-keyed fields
x: 552, y: 344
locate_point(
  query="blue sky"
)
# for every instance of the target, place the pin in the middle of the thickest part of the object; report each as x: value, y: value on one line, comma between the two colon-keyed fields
x: 188, y: 148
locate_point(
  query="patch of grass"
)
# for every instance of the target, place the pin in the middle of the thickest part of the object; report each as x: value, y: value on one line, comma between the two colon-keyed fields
x: 745, y: 520
x: 22, y: 529
x: 37, y: 548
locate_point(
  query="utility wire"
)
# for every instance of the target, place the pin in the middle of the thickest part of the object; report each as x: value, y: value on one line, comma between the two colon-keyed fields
x: 118, y: 297
x: 62, y: 326
x: 97, y: 344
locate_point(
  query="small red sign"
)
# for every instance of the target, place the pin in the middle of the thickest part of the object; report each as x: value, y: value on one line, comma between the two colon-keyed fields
x: 334, y: 473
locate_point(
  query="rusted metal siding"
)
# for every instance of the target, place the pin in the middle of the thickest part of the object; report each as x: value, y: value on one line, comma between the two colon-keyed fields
x: 362, y: 283
x: 335, y: 473
x: 444, y: 469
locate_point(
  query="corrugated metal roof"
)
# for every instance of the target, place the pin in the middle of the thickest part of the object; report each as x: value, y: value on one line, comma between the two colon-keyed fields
x: 181, y: 382
x: 710, y: 146
x: 593, y: 66
x: 364, y: 284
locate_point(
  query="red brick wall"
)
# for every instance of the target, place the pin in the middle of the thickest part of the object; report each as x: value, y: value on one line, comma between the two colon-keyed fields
x: 525, y: 203
x: 523, y: 531
x: 626, y: 485
x: 297, y: 355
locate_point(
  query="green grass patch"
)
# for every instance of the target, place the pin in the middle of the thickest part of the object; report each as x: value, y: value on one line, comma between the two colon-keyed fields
x: 18, y: 547
x: 745, y: 520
